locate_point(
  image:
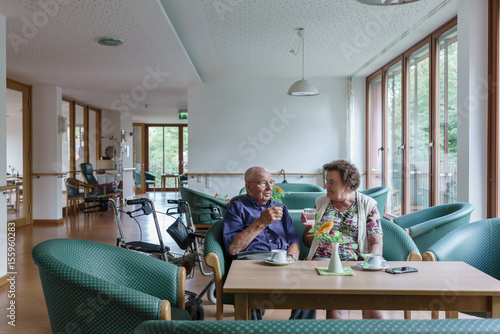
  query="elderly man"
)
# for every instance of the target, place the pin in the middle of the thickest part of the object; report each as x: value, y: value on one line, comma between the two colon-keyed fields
x: 257, y: 223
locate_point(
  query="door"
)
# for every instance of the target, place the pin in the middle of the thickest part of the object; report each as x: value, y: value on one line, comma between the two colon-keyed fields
x: 18, y: 148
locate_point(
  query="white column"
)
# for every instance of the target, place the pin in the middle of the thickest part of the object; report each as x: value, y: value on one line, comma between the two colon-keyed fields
x: 127, y: 156
x: 47, y: 153
x: 3, y: 149
x: 472, y: 104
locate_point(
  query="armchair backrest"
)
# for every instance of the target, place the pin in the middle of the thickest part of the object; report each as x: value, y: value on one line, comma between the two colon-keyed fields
x: 475, y: 243
x: 215, y: 244
x: 126, y: 287
x: 380, y: 195
x: 201, y: 216
x: 428, y: 225
x: 294, y: 187
x: 397, y: 244
x: 88, y: 173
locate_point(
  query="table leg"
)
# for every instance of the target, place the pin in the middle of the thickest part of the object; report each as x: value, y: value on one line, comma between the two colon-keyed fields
x: 241, y: 309
x: 451, y: 314
x: 163, y: 183
x: 495, y: 307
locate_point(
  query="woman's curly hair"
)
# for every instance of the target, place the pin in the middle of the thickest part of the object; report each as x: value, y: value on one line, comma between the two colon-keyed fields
x: 348, y: 172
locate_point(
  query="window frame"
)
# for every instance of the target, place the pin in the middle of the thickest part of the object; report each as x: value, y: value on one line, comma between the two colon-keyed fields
x: 432, y: 40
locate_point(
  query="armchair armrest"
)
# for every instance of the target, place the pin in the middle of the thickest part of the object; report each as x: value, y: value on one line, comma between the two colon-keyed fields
x: 427, y: 226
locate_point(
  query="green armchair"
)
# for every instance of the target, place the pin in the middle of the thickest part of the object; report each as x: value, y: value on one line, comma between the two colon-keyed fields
x: 380, y: 195
x: 98, y: 288
x: 99, y: 189
x: 428, y: 225
x: 475, y: 243
x: 150, y: 178
x: 214, y: 253
x: 294, y: 187
x: 202, y: 218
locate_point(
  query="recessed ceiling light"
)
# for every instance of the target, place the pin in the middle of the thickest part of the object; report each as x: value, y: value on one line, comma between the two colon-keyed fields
x: 110, y: 41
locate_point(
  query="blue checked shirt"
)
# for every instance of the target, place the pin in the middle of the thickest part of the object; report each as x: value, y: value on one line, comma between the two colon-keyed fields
x: 244, y: 211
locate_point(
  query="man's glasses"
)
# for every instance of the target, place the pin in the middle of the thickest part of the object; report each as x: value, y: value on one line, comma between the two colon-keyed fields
x: 264, y: 184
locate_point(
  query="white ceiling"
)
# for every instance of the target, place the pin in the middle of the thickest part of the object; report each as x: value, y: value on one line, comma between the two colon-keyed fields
x: 188, y: 42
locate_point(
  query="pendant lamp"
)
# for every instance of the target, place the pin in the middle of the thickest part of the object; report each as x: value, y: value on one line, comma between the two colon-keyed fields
x: 302, y: 87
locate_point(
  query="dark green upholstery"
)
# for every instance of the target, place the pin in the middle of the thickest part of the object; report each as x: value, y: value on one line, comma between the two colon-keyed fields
x: 202, y: 216
x: 398, y: 245
x: 372, y: 326
x: 102, y: 189
x: 428, y: 225
x: 91, y: 287
x: 380, y: 195
x: 299, y: 227
x: 150, y: 177
x: 476, y: 243
x: 295, y: 187
x: 301, y: 200
x: 183, y: 180
x: 215, y: 244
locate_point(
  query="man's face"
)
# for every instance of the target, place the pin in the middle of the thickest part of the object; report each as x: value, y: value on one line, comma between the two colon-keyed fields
x: 259, y: 187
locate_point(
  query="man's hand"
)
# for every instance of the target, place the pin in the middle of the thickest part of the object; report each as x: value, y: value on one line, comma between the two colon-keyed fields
x: 272, y: 214
x: 245, y: 237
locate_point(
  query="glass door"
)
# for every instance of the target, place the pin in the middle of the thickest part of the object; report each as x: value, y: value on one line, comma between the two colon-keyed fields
x: 394, y: 138
x: 420, y: 143
x: 18, y: 147
x: 167, y: 154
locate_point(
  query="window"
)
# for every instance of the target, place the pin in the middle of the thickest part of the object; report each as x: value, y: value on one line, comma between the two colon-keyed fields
x: 412, y: 124
x: 448, y: 105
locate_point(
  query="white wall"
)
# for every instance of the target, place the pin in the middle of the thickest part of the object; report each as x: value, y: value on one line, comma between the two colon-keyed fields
x: 47, y: 199
x: 127, y: 156
x: 236, y: 124
x: 3, y: 143
x: 472, y: 104
x: 358, y: 132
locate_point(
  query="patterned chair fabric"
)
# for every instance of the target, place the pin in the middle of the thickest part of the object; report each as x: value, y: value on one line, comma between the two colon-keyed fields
x: 201, y: 217
x: 214, y: 245
x: 372, y: 326
x: 380, y: 195
x: 299, y: 227
x: 398, y: 245
x: 294, y: 187
x: 475, y: 243
x: 92, y: 287
x: 428, y: 225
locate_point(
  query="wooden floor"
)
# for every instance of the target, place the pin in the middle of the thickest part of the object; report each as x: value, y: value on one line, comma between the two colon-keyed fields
x: 31, y: 312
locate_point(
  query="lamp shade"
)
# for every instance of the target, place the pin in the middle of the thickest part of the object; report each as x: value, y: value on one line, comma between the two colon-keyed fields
x: 303, y: 88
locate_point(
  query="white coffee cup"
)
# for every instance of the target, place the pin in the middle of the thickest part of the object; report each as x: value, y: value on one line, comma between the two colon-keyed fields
x: 278, y: 255
x: 374, y: 260
x: 309, y: 215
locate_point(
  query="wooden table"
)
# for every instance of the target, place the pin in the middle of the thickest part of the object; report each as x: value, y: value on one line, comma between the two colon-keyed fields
x: 163, y: 179
x: 443, y: 286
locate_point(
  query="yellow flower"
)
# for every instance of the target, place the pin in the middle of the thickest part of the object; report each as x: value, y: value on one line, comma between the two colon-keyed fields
x: 325, y: 228
x: 278, y: 189
x: 216, y: 195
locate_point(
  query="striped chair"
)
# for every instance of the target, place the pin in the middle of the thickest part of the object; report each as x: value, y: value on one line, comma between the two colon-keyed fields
x: 91, y: 287
x: 475, y: 243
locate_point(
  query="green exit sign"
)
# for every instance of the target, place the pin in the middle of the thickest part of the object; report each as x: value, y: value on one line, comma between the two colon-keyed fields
x: 183, y: 115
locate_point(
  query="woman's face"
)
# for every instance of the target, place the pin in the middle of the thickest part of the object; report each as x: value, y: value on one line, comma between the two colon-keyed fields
x: 336, y: 190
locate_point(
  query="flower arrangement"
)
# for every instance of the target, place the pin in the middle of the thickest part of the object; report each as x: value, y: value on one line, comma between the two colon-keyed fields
x: 12, y: 170
x: 277, y: 194
x: 322, y: 232
x: 223, y: 197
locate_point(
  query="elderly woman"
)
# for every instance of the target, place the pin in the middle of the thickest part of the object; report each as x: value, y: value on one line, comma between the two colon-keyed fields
x: 354, y: 214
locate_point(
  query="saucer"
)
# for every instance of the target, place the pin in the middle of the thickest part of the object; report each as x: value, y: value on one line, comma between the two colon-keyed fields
x: 288, y: 261
x: 384, y: 266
